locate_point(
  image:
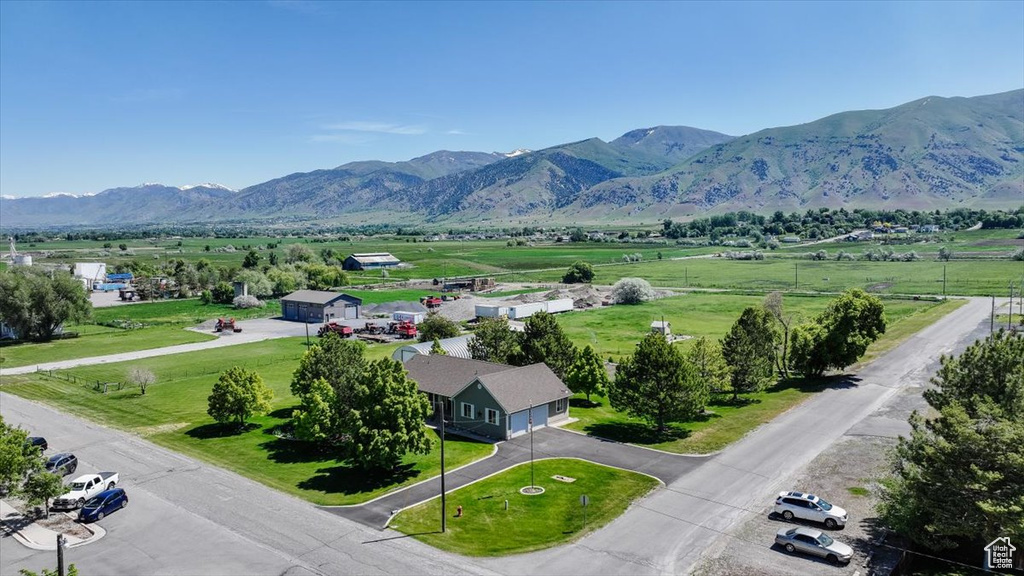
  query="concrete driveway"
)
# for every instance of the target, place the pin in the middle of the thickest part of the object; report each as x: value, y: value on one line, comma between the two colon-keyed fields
x: 547, y: 443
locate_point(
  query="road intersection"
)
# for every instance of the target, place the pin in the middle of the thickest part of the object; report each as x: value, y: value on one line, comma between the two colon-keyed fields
x: 188, y: 517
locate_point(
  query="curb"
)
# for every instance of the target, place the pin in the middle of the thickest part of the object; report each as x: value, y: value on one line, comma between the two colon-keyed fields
x: 30, y: 542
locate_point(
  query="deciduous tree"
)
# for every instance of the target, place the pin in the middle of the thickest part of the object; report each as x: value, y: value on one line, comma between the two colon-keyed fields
x: 316, y: 419
x: 338, y: 361
x: 436, y: 327
x: 386, y: 418
x: 579, y: 273
x: 632, y: 291
x: 494, y: 341
x: 773, y: 304
x: 749, y: 349
x: 656, y: 384
x: 706, y: 358
x: 840, y: 335
x: 543, y: 340
x: 141, y: 377
x: 17, y: 457
x: 36, y: 304
x: 238, y: 395
x: 587, y: 374
x: 41, y: 487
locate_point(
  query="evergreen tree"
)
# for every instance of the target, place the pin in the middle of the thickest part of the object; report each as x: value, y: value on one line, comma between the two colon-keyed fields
x: 238, y: 395
x: 587, y: 375
x: 749, y: 349
x: 386, y: 418
x: 959, y: 477
x: 436, y: 348
x: 251, y: 260
x: 656, y: 384
x: 544, y: 341
x: 706, y: 358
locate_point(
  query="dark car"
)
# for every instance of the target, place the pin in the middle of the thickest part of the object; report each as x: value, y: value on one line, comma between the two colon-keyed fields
x: 62, y: 464
x: 103, y: 504
x: 37, y: 441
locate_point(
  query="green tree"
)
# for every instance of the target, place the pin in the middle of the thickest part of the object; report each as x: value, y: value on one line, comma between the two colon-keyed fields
x: 749, y: 349
x: 35, y: 304
x: 338, y: 361
x: 238, y: 395
x: 17, y: 457
x: 72, y: 571
x: 223, y: 293
x: 251, y: 260
x: 141, y: 377
x: 773, y: 305
x: 706, y: 358
x: 316, y: 419
x: 579, y: 273
x: 494, y: 341
x: 436, y: 327
x: 959, y: 477
x: 386, y: 418
x: 298, y: 253
x: 587, y: 375
x: 543, y: 340
x: 257, y: 283
x: 656, y: 384
x: 272, y: 258
x: 945, y: 254
x: 435, y: 348
x: 840, y: 335
x: 323, y: 277
x: 41, y: 487
x: 578, y: 235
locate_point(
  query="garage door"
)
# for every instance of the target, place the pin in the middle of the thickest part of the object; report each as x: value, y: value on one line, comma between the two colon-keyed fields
x: 521, y: 420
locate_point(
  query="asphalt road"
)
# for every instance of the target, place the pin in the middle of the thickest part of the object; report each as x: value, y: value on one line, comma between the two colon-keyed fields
x: 187, y: 517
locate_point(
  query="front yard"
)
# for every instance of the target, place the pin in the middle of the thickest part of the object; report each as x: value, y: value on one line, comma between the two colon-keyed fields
x: 535, y: 522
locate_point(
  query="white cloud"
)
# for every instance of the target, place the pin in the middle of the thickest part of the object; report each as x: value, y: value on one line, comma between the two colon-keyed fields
x: 378, y: 127
x: 456, y: 132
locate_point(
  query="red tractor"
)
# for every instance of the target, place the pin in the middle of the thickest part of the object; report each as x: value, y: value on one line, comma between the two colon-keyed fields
x: 225, y: 324
x: 431, y: 302
x: 339, y: 329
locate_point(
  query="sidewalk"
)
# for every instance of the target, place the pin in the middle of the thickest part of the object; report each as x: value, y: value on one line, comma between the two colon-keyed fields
x: 34, y: 536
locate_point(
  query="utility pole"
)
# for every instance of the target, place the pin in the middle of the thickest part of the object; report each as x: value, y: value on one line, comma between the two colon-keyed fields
x: 444, y: 503
x: 60, y: 554
x: 796, y: 275
x: 992, y: 318
x: 943, y: 281
x: 1009, y: 319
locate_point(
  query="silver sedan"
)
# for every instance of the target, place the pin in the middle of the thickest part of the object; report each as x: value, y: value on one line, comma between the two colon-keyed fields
x: 815, y: 542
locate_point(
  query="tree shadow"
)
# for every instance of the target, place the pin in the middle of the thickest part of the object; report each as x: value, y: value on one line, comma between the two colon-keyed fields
x: 218, y: 430
x: 345, y: 479
x: 635, y: 432
x: 290, y: 451
x: 283, y: 413
x: 584, y: 403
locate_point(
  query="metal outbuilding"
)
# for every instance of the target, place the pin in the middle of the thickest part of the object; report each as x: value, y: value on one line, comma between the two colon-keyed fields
x: 319, y: 306
x: 370, y: 261
x: 457, y: 347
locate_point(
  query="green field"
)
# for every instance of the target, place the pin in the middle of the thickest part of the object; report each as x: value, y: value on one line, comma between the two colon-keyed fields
x: 186, y: 312
x: 173, y: 414
x: 531, y: 522
x: 726, y: 421
x: 96, y: 340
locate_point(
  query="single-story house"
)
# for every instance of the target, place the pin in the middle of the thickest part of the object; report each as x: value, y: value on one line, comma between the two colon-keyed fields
x: 929, y: 229
x: 319, y: 306
x: 373, y: 261
x: 492, y: 400
x: 662, y: 327
x: 457, y: 347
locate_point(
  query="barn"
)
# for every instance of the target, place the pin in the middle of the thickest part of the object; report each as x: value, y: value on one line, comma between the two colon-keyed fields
x: 372, y: 261
x: 319, y: 306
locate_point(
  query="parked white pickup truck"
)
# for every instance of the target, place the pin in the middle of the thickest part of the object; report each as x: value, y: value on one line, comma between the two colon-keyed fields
x: 84, y: 487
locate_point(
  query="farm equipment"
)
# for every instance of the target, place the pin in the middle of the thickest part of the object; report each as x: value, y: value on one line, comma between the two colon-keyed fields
x: 431, y: 302
x: 339, y: 329
x: 447, y: 297
x: 225, y: 324
x: 403, y: 330
x: 371, y: 329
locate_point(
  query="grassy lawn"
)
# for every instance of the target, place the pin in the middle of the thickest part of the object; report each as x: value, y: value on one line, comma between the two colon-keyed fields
x: 173, y: 414
x: 531, y: 522
x: 728, y: 421
x: 179, y: 312
x: 98, y: 341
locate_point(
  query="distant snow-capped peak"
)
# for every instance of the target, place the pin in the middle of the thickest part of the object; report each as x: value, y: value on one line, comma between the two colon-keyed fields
x: 516, y: 152
x: 60, y: 195
x: 207, y: 185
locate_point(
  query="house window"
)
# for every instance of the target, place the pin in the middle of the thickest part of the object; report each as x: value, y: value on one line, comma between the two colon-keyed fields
x: 560, y: 405
x: 467, y: 411
x: 492, y: 416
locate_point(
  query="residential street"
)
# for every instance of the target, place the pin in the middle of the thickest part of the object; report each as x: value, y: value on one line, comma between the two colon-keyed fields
x: 190, y: 518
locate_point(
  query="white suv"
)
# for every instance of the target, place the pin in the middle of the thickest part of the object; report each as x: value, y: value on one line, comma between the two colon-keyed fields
x: 809, y: 507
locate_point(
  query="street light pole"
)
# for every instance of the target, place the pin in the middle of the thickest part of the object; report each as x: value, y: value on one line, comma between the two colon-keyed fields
x: 60, y: 554
x: 531, y: 445
x: 444, y: 503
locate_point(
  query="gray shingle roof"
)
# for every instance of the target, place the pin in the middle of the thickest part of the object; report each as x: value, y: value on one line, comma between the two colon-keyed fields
x: 446, y: 375
x: 516, y: 389
x: 319, y: 297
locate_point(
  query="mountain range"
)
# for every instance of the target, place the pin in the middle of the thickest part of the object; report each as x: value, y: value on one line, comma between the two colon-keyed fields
x: 927, y: 154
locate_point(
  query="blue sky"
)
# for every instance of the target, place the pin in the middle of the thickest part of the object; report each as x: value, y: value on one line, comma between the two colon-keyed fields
x: 99, y: 95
